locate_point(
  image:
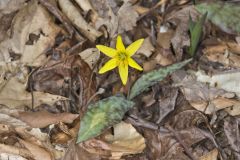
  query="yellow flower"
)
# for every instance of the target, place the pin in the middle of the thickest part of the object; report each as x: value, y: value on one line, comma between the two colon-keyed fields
x: 121, y: 57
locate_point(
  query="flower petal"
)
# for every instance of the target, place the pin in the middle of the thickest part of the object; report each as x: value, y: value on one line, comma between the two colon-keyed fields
x: 119, y: 45
x: 132, y: 48
x: 110, y: 52
x: 123, y: 71
x: 134, y: 64
x: 111, y: 64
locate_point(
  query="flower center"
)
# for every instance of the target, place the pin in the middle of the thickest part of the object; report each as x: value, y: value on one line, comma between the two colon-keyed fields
x: 122, y: 56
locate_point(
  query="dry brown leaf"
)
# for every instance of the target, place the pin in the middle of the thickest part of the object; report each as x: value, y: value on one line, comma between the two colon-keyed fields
x: 225, y: 53
x: 126, y: 140
x: 127, y: 18
x: 207, y: 99
x: 76, y: 18
x: 14, y: 94
x: 212, y: 155
x: 42, y: 119
x: 33, y: 33
x: 180, y: 19
x: 147, y: 48
x: 91, y: 56
x: 7, y: 156
x: 8, y: 6
x: 37, y: 152
x: 228, y: 81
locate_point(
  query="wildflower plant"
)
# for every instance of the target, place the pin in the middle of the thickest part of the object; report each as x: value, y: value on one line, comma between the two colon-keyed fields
x: 121, y: 58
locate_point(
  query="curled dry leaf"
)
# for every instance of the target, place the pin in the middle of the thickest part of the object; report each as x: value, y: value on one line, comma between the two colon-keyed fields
x: 147, y: 48
x: 76, y: 18
x: 14, y: 94
x: 91, y: 56
x: 42, y: 119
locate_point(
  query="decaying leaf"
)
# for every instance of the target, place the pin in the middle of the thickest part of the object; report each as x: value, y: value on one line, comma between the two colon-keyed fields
x: 228, y: 81
x: 42, y: 119
x: 231, y: 129
x: 222, y: 14
x: 33, y: 31
x: 147, y: 48
x: 207, y: 99
x: 21, y: 98
x: 91, y: 56
x: 102, y: 115
x: 226, y: 53
x: 125, y: 140
x: 154, y: 77
x: 212, y: 155
x: 76, y: 18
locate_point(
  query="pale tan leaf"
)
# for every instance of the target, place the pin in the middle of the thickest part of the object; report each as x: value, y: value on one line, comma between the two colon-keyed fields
x: 212, y: 155
x: 13, y: 94
x: 42, y: 119
x: 91, y: 56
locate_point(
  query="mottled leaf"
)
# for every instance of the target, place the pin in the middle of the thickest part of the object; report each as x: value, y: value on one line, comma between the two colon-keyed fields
x: 153, y: 77
x: 102, y: 115
x: 224, y: 15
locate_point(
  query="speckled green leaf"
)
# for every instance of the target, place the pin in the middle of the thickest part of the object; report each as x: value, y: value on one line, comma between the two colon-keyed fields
x: 153, y: 77
x: 224, y: 15
x: 102, y: 115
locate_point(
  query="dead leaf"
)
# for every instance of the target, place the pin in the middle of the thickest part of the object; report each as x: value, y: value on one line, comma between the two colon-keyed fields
x: 180, y: 19
x: 91, y: 56
x: 42, y: 119
x: 20, y: 97
x: 226, y: 53
x: 212, y: 155
x: 76, y: 18
x: 127, y: 18
x: 125, y: 140
x: 37, y: 152
x: 228, y: 81
x: 32, y: 20
x: 147, y: 48
x: 231, y: 129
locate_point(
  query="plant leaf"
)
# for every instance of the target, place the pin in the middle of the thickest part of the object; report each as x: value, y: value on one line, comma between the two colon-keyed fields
x: 195, y: 32
x: 102, y: 115
x: 224, y: 15
x: 153, y: 77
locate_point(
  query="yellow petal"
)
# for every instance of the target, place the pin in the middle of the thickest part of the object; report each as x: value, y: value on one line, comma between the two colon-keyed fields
x: 134, y: 64
x: 123, y: 71
x: 132, y: 48
x: 111, y: 64
x: 119, y: 45
x: 110, y: 52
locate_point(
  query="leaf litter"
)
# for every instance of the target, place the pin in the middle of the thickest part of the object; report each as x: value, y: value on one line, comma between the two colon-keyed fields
x: 181, y: 106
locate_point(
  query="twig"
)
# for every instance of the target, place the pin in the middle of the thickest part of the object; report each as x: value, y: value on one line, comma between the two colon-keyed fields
x: 152, y: 9
x: 137, y: 121
x: 178, y: 138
